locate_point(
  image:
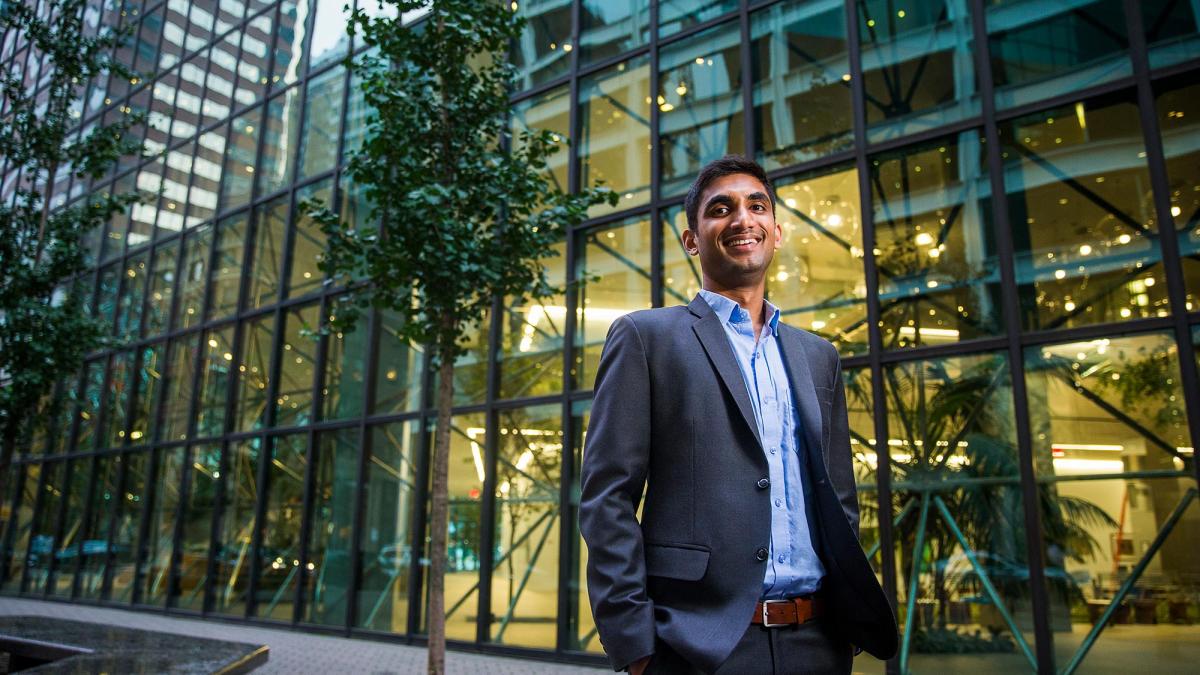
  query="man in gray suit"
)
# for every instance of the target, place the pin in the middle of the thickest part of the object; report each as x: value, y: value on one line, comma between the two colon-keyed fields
x: 746, y: 559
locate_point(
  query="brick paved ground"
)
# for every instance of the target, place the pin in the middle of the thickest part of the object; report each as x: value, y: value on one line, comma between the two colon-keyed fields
x: 295, y: 651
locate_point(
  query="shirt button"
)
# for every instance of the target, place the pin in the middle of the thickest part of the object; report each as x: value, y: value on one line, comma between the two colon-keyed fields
x: 772, y: 451
x: 761, y: 554
x: 782, y: 558
x: 778, y: 502
x: 763, y: 483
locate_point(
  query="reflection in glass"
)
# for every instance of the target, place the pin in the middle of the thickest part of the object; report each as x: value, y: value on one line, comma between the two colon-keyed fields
x: 387, y: 552
x: 801, y: 86
x: 194, y: 276
x: 614, y: 137
x: 17, y: 554
x: 67, y: 548
x: 543, y: 52
x: 955, y: 480
x: 530, y: 353
x: 700, y: 103
x: 143, y: 423
x: 675, y: 16
x: 939, y: 280
x: 180, y: 378
x: 279, y: 556
x: 1040, y: 49
x: 327, y: 572
x: 322, y: 122
x: 45, y: 528
x: 329, y: 39
x: 1172, y: 30
x: 612, y: 269
x: 268, y: 252
x: 345, y: 371
x: 817, y: 277
x: 206, y: 178
x: 227, y: 266
x: 162, y: 290
x: 1082, y: 215
x: 289, y: 42
x: 233, y: 556
x: 398, y: 365
x: 308, y: 243
x: 293, y: 403
x: 196, y: 516
x: 215, y: 370
x: 88, y: 409
x: 255, y: 372
x: 125, y: 526
x: 525, y: 572
x: 918, y: 68
x: 1178, y: 109
x: 93, y: 555
x: 277, y: 168
x: 121, y: 383
x: 611, y: 27
x: 239, y: 160
x: 160, y: 531
x: 133, y: 289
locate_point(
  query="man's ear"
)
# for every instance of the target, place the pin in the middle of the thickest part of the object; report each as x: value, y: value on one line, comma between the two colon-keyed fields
x: 688, y: 239
x: 778, y: 236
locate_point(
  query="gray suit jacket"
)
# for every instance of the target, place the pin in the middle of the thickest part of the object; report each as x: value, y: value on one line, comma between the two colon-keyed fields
x: 671, y: 410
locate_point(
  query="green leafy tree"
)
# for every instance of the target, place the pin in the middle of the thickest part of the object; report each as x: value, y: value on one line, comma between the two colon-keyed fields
x: 45, y: 329
x: 465, y: 209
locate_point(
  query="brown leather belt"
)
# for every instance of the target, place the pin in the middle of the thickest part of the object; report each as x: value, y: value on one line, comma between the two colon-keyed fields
x: 771, y: 613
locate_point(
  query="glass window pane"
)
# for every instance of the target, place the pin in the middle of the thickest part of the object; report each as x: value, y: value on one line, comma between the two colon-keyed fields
x: 525, y: 575
x: 269, y: 233
x: 1082, y: 214
x: 206, y: 175
x: 700, y: 104
x: 582, y: 635
x: 675, y: 16
x: 548, y: 112
x: 387, y: 554
x: 160, y: 532
x: 67, y: 547
x: 613, y: 273
x: 193, y: 277
x: 398, y: 369
x: 614, y: 138
x: 308, y: 243
x: 239, y: 160
x: 89, y: 405
x: 125, y: 527
x: 1178, y: 111
x: 116, y: 401
x: 956, y: 480
x: 681, y: 272
x: 277, y: 168
x: 180, y: 378
x: 293, y: 405
x: 237, y: 525
x: 18, y: 555
x: 1172, y: 30
x: 322, y: 121
x: 94, y: 554
x: 918, y: 67
x: 345, y: 371
x: 859, y: 405
x: 144, y: 214
x: 289, y: 42
x: 45, y: 528
x: 611, y: 27
x: 162, y: 289
x: 939, y: 280
x: 255, y: 367
x: 177, y: 171
x: 215, y: 371
x: 227, y: 266
x: 471, y: 367
x: 327, y: 573
x: 464, y: 524
x: 329, y: 39
x: 530, y: 353
x: 543, y: 52
x: 817, y: 278
x: 358, y: 117
x: 149, y: 384
x: 1041, y: 49
x: 279, y: 557
x: 1113, y: 457
x: 133, y: 291
x: 801, y: 89
x: 196, y: 515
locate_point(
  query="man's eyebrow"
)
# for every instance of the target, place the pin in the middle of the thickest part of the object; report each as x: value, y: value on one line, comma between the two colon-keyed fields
x: 718, y: 199
x: 758, y: 196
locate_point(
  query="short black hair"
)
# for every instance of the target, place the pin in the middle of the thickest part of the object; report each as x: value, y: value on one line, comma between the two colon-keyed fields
x: 726, y: 166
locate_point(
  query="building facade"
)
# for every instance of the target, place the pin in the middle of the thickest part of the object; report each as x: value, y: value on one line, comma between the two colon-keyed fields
x: 992, y: 208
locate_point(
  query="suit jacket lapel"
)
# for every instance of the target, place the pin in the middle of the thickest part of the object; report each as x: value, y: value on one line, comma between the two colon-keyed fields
x: 795, y: 361
x: 716, y: 344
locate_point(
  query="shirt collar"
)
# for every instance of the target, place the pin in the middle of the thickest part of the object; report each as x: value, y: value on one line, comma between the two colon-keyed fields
x: 731, y: 312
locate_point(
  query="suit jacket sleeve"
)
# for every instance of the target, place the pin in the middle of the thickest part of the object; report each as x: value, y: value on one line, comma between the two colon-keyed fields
x: 612, y: 477
x: 841, y: 463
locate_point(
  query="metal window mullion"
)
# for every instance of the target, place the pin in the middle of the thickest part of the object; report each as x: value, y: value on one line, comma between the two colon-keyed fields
x: 875, y: 339
x: 1167, y: 234
x: 265, y: 458
x: 416, y: 596
x: 1012, y: 312
x: 487, y: 516
x: 143, y: 534
x: 214, y: 529
x: 87, y: 517
x: 185, y: 492
x: 39, y: 503
x: 312, y: 456
x: 746, y: 55
x: 365, y: 449
x: 19, y: 473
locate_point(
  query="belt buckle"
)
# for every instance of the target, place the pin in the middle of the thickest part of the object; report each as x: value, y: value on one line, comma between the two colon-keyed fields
x: 766, y: 623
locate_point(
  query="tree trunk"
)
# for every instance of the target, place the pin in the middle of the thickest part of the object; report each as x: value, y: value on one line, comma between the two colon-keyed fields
x: 51, y: 175
x: 438, y: 513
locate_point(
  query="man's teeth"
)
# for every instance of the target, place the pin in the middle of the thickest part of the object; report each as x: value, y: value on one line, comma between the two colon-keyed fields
x: 739, y: 242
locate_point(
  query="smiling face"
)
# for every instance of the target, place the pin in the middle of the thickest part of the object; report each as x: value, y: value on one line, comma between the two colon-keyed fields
x: 736, y: 234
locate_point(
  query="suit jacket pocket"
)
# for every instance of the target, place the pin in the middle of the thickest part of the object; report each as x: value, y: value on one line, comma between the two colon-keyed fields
x: 676, y: 562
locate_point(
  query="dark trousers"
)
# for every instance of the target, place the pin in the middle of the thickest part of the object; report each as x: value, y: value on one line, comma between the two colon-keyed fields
x: 813, y: 647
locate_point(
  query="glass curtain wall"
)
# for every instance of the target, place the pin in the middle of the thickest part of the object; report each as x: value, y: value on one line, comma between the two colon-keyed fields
x: 990, y: 207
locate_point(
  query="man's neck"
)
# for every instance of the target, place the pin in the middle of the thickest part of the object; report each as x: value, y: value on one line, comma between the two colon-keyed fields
x: 749, y: 298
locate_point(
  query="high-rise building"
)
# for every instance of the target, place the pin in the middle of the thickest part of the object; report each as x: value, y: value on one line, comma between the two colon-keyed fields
x: 991, y: 207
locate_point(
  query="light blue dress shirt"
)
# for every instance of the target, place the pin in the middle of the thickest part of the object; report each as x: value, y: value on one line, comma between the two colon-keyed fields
x: 793, y: 568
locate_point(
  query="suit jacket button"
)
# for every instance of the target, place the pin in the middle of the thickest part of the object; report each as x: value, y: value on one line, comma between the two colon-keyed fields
x: 763, y: 483
x: 761, y: 553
